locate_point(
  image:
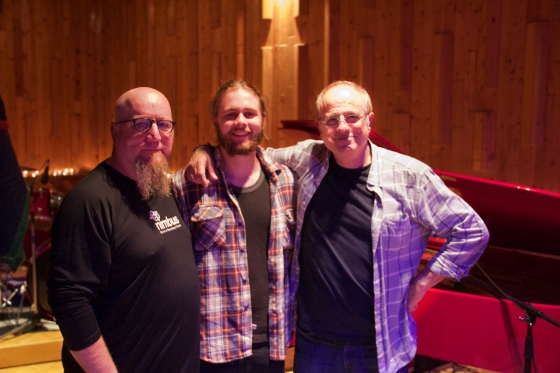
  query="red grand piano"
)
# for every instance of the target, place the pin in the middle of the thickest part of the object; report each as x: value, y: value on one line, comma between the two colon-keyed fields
x: 476, y: 325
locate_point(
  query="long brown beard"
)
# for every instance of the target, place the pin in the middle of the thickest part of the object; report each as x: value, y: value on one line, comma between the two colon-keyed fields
x: 151, y: 178
x: 233, y: 148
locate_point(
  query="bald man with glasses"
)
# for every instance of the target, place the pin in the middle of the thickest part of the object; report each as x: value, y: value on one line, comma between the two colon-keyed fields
x: 123, y: 285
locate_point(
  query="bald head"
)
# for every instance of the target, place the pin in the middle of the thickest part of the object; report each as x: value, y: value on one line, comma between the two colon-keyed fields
x: 139, y: 100
x: 343, y: 90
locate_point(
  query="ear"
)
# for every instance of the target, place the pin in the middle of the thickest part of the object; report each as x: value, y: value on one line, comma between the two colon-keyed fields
x: 370, y: 119
x: 114, y: 131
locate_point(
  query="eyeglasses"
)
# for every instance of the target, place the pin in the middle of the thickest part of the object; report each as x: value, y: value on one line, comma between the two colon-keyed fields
x: 144, y: 124
x: 348, y: 119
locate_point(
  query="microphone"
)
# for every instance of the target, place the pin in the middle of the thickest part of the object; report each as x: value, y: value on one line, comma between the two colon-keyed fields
x: 45, y: 175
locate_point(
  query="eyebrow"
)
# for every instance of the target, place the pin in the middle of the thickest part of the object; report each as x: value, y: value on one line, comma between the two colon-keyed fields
x: 242, y: 109
x: 343, y: 113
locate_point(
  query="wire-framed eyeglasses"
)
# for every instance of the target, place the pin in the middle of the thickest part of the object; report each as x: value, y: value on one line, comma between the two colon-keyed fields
x: 334, y: 121
x: 144, y: 124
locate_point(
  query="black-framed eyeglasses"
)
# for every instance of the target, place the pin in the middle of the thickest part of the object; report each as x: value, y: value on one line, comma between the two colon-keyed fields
x: 335, y: 120
x: 144, y: 124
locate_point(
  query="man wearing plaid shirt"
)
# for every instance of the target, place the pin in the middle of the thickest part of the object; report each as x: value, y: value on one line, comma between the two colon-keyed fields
x: 364, y: 218
x: 243, y: 226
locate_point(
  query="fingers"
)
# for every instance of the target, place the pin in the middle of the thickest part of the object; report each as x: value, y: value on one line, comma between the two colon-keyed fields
x: 212, y: 172
x: 200, y: 175
x: 200, y: 169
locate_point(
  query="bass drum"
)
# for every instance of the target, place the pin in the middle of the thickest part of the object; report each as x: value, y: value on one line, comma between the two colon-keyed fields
x: 43, y: 255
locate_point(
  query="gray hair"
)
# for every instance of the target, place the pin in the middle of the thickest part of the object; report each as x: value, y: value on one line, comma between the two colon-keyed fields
x: 366, y: 100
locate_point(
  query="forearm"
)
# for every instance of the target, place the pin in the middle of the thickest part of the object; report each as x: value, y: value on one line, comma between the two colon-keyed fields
x: 420, y: 285
x: 95, y: 358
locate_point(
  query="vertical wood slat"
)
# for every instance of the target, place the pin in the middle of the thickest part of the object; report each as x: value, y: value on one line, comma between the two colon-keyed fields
x: 282, y: 101
x: 240, y: 39
x: 302, y: 76
x: 215, y: 14
x: 511, y: 90
x: 366, y: 63
x: 405, y: 73
x: 333, y: 53
x: 484, y: 141
x: 170, y: 20
x: 150, y: 56
x: 267, y: 84
x: 492, y: 50
x: 19, y: 59
x: 401, y: 131
x: 534, y: 84
x: 549, y: 177
x: 443, y: 81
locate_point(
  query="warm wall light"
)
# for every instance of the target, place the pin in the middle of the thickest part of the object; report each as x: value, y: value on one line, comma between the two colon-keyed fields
x: 283, y: 7
x: 267, y: 9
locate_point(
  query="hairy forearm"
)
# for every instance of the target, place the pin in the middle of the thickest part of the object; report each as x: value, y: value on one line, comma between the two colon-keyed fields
x: 95, y: 358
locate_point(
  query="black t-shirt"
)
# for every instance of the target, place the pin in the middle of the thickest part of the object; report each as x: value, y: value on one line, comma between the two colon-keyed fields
x: 335, y: 294
x: 124, y: 268
x: 254, y: 203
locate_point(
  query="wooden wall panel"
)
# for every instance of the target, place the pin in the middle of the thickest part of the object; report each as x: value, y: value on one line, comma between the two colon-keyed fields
x: 470, y: 86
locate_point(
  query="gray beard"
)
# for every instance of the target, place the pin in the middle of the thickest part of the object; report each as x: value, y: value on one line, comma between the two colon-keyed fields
x: 151, y: 178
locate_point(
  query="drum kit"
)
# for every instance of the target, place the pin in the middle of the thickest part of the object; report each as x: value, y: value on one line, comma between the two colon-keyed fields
x: 29, y: 281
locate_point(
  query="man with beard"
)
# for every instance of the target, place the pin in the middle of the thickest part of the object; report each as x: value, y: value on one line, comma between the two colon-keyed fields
x: 123, y: 284
x: 365, y: 215
x: 243, y: 228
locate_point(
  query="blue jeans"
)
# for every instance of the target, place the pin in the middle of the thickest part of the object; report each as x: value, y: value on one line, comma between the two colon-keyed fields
x: 318, y: 354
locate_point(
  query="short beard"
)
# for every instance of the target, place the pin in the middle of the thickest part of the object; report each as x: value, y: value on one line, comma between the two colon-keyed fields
x: 233, y: 148
x: 152, y: 178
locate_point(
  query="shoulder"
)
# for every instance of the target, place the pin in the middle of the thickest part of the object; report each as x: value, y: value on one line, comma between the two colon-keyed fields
x: 97, y: 183
x: 272, y: 166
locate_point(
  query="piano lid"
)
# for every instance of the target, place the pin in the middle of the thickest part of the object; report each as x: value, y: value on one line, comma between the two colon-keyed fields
x: 518, y: 217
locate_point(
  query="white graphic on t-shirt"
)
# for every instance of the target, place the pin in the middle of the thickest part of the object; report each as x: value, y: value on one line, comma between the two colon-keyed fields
x: 154, y: 215
x: 165, y: 225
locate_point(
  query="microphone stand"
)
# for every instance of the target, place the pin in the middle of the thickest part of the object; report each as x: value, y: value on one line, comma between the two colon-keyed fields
x: 531, y: 315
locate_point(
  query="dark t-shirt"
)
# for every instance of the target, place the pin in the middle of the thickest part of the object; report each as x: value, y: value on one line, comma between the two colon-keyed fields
x: 254, y: 202
x: 335, y: 294
x: 123, y: 268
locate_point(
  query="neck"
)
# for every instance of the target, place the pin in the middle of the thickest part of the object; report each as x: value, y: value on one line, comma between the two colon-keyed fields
x: 114, y: 162
x: 241, y: 170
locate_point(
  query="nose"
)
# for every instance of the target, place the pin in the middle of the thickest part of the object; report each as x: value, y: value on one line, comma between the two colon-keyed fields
x: 153, y: 132
x: 241, y: 120
x: 342, y: 125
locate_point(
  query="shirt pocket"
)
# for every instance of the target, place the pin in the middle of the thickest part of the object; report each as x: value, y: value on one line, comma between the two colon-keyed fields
x: 398, y: 231
x: 208, y: 227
